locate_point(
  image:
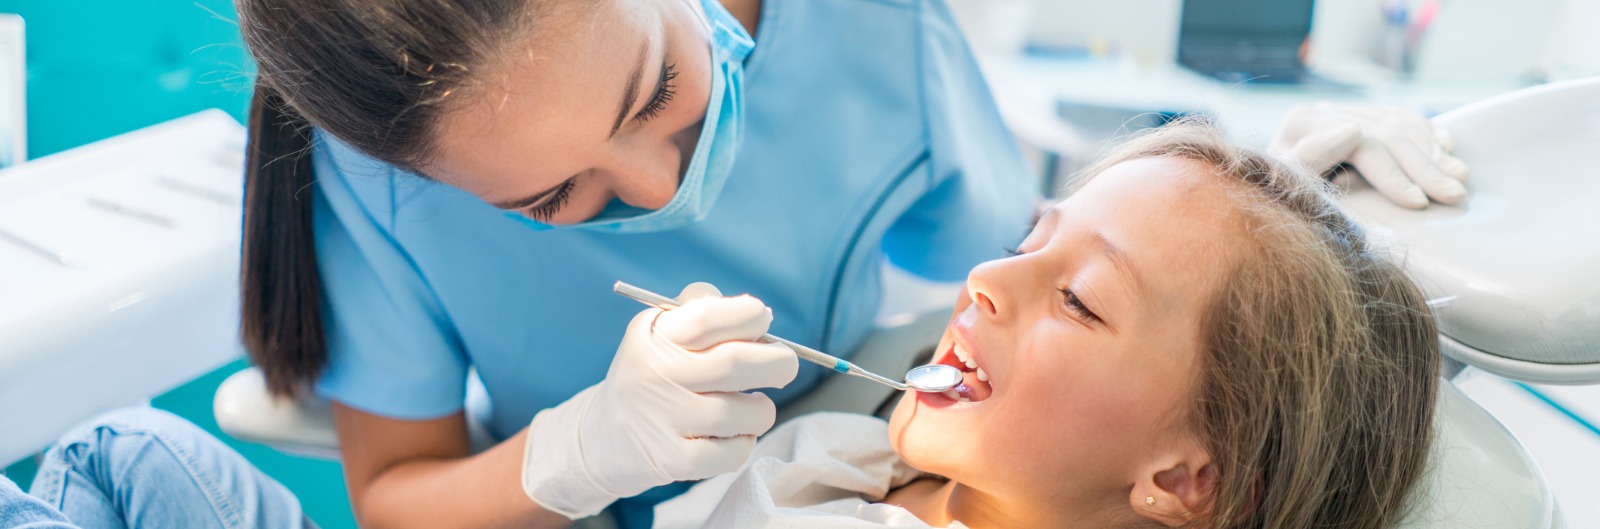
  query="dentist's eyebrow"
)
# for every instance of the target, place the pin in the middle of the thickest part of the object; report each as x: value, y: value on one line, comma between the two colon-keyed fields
x: 531, y: 200
x: 630, y: 92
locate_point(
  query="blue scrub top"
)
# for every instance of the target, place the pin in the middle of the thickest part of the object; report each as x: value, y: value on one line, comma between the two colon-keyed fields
x: 869, y: 133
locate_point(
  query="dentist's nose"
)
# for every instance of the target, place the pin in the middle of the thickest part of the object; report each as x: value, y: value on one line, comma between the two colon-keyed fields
x: 645, y: 176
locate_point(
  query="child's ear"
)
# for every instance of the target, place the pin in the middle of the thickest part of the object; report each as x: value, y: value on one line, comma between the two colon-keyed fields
x: 1176, y: 489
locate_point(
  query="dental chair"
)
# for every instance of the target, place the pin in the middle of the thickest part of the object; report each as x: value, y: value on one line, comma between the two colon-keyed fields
x: 1512, y: 272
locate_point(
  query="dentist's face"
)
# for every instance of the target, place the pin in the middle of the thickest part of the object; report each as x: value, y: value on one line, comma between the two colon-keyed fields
x: 599, y: 100
x: 1090, y: 338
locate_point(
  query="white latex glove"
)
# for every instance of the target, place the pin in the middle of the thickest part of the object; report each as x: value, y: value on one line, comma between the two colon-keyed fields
x: 669, y: 409
x: 1402, y: 154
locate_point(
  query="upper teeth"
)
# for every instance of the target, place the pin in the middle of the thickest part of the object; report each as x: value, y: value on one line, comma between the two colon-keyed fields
x: 964, y: 356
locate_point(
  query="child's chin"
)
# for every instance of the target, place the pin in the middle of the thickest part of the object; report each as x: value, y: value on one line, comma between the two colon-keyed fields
x: 922, y: 443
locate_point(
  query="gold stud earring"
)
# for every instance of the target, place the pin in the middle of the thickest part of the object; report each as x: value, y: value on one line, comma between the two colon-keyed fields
x: 1149, y: 500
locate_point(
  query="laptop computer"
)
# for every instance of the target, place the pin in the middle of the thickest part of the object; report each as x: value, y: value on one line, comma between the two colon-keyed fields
x: 1254, y: 41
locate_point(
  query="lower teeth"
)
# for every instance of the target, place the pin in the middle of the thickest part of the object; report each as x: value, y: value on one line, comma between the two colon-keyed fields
x: 955, y: 396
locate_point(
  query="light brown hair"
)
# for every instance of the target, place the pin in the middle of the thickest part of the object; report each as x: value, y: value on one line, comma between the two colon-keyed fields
x: 1316, y: 391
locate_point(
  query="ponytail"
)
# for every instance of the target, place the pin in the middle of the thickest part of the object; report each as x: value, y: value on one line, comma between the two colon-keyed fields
x: 372, y: 74
x: 281, y: 289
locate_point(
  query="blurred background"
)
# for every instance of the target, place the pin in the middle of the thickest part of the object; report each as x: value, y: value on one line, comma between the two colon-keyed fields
x: 1069, y: 76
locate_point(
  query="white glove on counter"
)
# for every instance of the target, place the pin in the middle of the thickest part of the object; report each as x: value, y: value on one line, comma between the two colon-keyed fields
x: 1402, y: 154
x: 668, y: 410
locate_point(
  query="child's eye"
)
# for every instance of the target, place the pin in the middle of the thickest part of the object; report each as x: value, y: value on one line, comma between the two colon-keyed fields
x: 1077, y: 307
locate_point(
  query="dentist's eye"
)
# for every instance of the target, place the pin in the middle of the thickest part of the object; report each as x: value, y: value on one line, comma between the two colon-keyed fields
x: 1076, y: 306
x: 552, y: 205
x: 664, y: 92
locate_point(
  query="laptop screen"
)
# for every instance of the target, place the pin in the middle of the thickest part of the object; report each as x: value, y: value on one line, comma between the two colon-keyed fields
x: 1245, y: 19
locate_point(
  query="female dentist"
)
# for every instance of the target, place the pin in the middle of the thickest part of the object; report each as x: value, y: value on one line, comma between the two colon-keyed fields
x: 438, y: 186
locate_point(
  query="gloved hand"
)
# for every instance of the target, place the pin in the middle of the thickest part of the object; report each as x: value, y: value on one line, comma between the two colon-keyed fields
x: 1402, y: 154
x: 668, y: 410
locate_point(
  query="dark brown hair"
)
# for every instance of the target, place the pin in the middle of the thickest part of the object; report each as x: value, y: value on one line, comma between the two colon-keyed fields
x: 1320, y: 365
x: 376, y: 75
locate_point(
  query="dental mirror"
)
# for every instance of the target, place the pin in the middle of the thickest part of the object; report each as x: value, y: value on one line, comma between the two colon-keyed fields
x: 933, y: 378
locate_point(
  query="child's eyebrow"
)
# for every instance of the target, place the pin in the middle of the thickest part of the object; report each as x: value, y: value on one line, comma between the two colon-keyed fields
x: 1119, y: 260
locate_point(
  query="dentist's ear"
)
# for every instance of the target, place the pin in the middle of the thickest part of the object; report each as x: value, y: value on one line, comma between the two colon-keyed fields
x: 1176, y: 489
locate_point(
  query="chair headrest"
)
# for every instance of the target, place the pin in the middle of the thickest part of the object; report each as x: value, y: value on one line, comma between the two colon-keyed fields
x: 1514, y: 269
x: 1478, y: 476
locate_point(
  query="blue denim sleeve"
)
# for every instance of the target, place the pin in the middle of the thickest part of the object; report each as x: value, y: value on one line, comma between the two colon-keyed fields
x: 21, y: 511
x: 981, y: 195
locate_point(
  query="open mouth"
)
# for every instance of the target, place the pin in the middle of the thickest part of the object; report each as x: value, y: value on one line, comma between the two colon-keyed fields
x: 975, y: 385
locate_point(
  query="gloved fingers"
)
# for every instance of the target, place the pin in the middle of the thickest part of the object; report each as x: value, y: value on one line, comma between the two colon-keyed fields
x: 1452, y: 167
x: 705, y: 322
x: 1301, y: 121
x: 1291, y: 130
x: 697, y: 290
x: 735, y: 366
x: 1392, y: 123
x: 1322, y: 150
x: 1443, y: 138
x: 1439, y: 148
x: 710, y: 456
x: 728, y: 415
x: 1423, y: 172
x: 1380, y: 169
x: 1443, y: 144
x: 643, y: 322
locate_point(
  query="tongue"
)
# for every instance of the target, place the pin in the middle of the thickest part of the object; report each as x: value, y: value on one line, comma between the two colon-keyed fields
x: 973, y: 389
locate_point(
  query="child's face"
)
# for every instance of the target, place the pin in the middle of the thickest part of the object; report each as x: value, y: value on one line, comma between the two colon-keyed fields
x: 1090, y: 338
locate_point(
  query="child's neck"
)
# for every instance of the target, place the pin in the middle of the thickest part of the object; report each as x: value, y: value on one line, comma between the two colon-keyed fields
x: 938, y: 502
x: 926, y: 498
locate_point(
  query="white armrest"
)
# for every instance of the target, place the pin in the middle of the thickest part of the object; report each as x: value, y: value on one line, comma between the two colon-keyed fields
x: 245, y: 411
x: 1478, y: 475
x: 304, y: 427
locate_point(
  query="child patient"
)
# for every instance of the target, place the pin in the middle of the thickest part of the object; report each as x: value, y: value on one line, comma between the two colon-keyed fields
x: 1196, y: 337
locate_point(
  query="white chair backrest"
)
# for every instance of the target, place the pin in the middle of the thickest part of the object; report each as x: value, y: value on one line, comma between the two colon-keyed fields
x: 1478, y: 475
x: 1515, y: 269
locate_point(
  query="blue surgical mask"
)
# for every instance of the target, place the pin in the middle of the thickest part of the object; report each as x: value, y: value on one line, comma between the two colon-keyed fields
x: 720, y: 135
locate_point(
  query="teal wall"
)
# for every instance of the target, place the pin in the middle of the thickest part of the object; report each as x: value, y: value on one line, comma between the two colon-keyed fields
x: 98, y: 68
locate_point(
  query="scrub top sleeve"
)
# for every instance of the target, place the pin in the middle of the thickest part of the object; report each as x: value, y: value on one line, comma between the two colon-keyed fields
x: 981, y: 193
x: 392, y: 350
